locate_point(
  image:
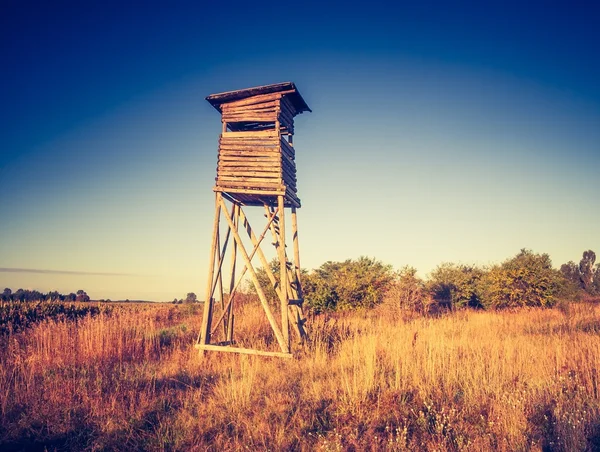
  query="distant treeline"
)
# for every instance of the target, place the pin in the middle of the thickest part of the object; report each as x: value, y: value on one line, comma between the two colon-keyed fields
x: 31, y: 296
x: 24, y: 295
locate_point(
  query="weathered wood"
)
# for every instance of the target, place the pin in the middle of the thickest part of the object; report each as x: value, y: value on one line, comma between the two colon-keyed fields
x: 249, y: 166
x: 272, y: 144
x: 286, y: 103
x: 249, y: 172
x: 285, y: 123
x: 250, y: 135
x: 229, y: 310
x: 288, y: 149
x: 285, y: 322
x: 291, y: 196
x: 245, y: 351
x: 294, y: 311
x: 204, y: 337
x: 267, y: 164
x: 255, y: 181
x: 285, y: 347
x: 219, y: 280
x: 254, y: 108
x: 250, y: 158
x: 250, y: 184
x: 242, y: 155
x: 283, y: 112
x: 249, y: 151
x: 249, y: 144
x: 249, y: 191
x: 289, y: 155
x: 267, y: 160
x: 250, y: 117
x: 263, y: 260
x: 296, y: 253
x: 262, y: 107
x: 256, y: 243
x: 288, y: 91
x: 237, y: 176
x: 262, y: 104
x: 256, y: 166
x: 258, y: 99
x: 289, y: 181
x: 241, y: 163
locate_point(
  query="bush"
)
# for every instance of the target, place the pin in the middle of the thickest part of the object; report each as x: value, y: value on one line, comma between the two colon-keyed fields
x: 456, y: 286
x: 351, y: 284
x: 527, y: 279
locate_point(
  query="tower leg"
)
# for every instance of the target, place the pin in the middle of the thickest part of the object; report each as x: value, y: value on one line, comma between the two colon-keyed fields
x: 296, y: 252
x: 283, y: 279
x: 299, y: 314
x: 208, y: 301
x: 232, y: 286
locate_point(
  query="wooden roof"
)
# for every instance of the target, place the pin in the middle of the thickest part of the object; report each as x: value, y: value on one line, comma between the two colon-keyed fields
x: 290, y: 90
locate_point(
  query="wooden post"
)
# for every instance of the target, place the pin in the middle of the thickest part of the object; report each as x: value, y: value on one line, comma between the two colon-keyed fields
x: 296, y: 252
x: 285, y: 323
x: 229, y: 327
x: 207, y: 317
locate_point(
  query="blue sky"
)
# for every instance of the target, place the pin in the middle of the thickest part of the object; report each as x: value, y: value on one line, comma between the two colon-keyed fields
x: 440, y: 133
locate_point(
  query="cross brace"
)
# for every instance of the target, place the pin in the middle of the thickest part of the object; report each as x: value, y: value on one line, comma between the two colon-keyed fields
x: 287, y: 285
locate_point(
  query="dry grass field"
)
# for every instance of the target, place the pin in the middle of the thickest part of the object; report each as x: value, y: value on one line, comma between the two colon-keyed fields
x: 130, y: 379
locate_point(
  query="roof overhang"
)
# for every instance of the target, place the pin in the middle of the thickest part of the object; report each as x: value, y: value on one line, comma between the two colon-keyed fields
x: 292, y: 93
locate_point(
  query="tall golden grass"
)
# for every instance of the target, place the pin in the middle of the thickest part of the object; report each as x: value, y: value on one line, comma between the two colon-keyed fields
x: 131, y: 380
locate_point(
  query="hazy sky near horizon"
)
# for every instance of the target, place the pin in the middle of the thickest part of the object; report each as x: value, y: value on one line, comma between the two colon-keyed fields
x: 439, y: 133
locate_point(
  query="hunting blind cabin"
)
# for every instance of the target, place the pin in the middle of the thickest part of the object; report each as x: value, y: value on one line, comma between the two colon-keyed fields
x: 256, y: 169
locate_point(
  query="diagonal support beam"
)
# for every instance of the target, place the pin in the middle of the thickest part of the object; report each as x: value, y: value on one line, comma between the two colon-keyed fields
x: 243, y: 273
x: 261, y: 255
x: 261, y: 295
x: 204, y: 336
x: 296, y: 311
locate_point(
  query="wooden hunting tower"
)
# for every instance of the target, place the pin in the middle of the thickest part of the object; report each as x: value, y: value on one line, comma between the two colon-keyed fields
x: 256, y: 167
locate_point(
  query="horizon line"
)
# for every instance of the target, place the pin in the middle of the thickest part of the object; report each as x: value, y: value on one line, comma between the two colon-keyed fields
x: 60, y: 272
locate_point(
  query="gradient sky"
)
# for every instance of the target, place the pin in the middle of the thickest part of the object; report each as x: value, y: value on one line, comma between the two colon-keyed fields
x: 440, y: 132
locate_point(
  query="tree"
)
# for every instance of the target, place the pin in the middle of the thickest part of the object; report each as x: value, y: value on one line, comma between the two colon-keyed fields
x: 586, y: 270
x: 596, y: 282
x: 583, y: 276
x: 570, y: 271
x: 456, y: 285
x: 7, y: 295
x: 527, y: 279
x: 408, y: 291
x: 191, y: 298
x: 82, y: 296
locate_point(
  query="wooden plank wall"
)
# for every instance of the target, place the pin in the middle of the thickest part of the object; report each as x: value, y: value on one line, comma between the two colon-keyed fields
x: 252, y: 160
